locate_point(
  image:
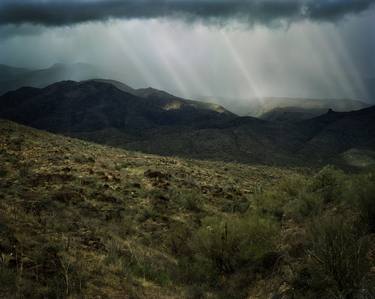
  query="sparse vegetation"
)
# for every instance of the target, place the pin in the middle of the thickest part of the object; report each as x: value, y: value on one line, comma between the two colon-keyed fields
x: 79, y: 220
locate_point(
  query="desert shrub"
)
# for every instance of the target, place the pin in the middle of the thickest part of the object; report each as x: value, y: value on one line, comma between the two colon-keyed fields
x: 291, y: 197
x: 271, y: 203
x: 114, y: 254
x: 147, y: 213
x: 305, y: 205
x: 361, y: 195
x: 3, y: 171
x: 8, y: 279
x: 60, y: 271
x: 176, y: 240
x: 329, y: 184
x: 189, y: 200
x: 151, y: 270
x: 149, y: 267
x: 291, y: 186
x: 338, y: 262
x: 17, y: 142
x: 131, y: 262
x: 195, y: 292
x: 83, y: 159
x: 227, y: 245
x: 191, y: 203
x: 24, y: 170
x: 238, y: 205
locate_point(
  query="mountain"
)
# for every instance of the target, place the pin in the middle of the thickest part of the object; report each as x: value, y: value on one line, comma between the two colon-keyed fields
x: 154, y: 121
x: 11, y: 73
x: 292, y: 114
x: 119, y: 85
x: 69, y: 106
x: 168, y: 100
x: 13, y: 78
x: 337, y: 132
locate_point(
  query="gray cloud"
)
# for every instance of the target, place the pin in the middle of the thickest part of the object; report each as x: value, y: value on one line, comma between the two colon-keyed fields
x: 58, y: 12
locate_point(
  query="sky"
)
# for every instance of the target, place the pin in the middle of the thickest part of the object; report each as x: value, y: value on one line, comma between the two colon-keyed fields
x: 220, y: 48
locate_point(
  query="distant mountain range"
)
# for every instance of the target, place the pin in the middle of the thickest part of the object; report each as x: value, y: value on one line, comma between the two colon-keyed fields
x: 286, y: 109
x: 275, y: 109
x: 154, y: 121
x: 12, y: 78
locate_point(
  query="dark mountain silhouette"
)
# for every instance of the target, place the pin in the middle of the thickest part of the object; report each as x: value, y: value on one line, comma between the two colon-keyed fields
x: 337, y: 132
x: 292, y: 114
x: 154, y: 121
x: 70, y: 106
x: 11, y: 73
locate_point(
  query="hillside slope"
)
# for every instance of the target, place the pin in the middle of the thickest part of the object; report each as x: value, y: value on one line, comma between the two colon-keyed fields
x: 81, y: 220
x: 105, y: 218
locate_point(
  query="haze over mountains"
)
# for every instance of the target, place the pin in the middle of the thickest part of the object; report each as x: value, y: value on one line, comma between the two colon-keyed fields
x: 270, y: 108
x: 154, y: 121
x: 264, y: 106
x: 13, y: 78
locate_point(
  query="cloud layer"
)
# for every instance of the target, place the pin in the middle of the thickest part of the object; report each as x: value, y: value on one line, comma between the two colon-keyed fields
x: 69, y: 12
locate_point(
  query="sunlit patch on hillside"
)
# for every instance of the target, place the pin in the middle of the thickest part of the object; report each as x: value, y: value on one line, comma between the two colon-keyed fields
x: 175, y: 105
x: 359, y: 158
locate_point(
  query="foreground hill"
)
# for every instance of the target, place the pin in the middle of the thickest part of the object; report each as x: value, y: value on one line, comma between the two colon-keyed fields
x: 105, y: 216
x: 80, y: 220
x: 154, y: 121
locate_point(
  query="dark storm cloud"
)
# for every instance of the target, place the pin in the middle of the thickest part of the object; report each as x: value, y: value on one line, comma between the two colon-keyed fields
x: 58, y: 12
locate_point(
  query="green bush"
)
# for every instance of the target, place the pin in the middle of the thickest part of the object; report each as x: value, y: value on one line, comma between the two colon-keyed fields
x: 8, y: 281
x: 293, y: 197
x: 271, y: 203
x: 191, y: 201
x: 305, y: 205
x: 3, y: 171
x: 329, y: 183
x: 338, y: 256
x: 362, y: 196
x: 227, y: 245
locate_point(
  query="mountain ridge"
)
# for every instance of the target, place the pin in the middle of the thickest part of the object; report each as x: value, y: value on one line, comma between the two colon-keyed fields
x: 164, y: 124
